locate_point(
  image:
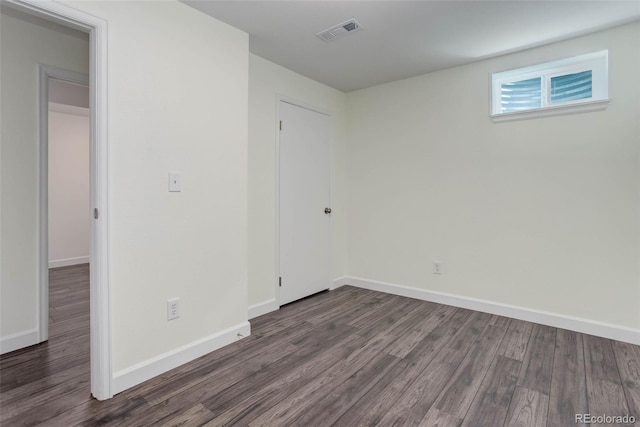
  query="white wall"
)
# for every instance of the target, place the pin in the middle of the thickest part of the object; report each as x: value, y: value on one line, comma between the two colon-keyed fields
x: 177, y: 102
x: 543, y: 214
x: 178, y: 89
x: 266, y: 81
x: 25, y: 42
x: 69, y: 203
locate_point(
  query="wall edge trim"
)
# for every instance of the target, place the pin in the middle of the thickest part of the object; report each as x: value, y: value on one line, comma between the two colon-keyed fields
x: 577, y: 324
x: 18, y: 340
x: 69, y: 261
x: 339, y: 282
x: 263, y: 307
x: 143, y: 371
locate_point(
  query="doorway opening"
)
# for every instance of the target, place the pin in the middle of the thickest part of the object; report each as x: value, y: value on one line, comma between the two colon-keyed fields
x: 69, y: 222
x: 100, y: 323
x: 65, y: 194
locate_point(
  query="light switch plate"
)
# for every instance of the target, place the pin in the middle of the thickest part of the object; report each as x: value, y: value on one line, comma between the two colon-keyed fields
x: 175, y: 182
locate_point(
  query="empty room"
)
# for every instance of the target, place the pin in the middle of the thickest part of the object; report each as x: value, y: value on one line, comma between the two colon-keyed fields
x: 320, y: 213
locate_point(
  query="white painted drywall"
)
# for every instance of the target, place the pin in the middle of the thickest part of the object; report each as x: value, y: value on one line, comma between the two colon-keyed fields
x: 25, y: 42
x: 69, y: 185
x: 178, y: 90
x: 542, y: 214
x: 266, y: 81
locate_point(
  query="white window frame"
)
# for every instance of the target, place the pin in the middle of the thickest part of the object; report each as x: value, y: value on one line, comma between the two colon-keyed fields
x: 596, y: 62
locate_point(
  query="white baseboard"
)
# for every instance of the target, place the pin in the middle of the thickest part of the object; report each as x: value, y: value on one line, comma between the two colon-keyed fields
x: 577, y: 324
x: 17, y: 341
x: 264, y: 307
x: 148, y: 369
x: 69, y: 261
x: 338, y: 282
x: 268, y: 306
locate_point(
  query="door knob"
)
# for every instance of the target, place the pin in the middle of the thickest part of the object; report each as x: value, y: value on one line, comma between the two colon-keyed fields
x: 327, y: 210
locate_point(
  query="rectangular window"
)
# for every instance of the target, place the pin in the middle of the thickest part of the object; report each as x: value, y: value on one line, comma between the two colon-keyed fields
x: 568, y: 85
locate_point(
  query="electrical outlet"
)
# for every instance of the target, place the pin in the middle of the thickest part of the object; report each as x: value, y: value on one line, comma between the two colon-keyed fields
x: 437, y: 267
x: 173, y: 308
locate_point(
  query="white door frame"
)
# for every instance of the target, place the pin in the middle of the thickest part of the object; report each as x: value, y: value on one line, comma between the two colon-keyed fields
x: 101, y: 356
x: 282, y: 98
x: 45, y: 72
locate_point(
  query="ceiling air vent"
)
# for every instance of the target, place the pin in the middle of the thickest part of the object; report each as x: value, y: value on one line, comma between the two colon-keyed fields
x: 340, y: 30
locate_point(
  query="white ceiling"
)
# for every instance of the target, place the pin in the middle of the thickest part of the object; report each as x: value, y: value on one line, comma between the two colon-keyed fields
x: 406, y: 38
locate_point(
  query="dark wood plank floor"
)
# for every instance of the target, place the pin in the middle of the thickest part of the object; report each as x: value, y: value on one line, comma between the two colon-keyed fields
x: 349, y: 357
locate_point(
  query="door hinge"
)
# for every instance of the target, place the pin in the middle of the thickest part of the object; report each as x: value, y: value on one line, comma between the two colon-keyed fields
x: 280, y: 281
x: 96, y: 213
x: 280, y: 124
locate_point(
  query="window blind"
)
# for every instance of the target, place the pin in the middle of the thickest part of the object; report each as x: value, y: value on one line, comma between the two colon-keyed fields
x: 570, y: 87
x: 521, y: 95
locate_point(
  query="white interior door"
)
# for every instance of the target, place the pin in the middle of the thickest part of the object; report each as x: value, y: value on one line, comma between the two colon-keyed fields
x: 304, y: 196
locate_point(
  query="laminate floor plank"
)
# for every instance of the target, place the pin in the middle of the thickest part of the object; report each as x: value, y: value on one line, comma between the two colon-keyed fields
x: 319, y: 386
x: 349, y: 309
x: 404, y: 344
x: 348, y: 357
x: 435, y: 418
x: 248, y: 407
x: 23, y: 398
x: 515, y: 342
x: 28, y: 372
x: 69, y: 325
x: 138, y: 412
x: 334, y: 404
x: 463, y: 386
x: 68, y: 312
x: 491, y: 404
x: 396, y: 322
x: 14, y: 359
x: 381, y: 310
x: 528, y: 408
x: 43, y: 412
x: 318, y: 308
x: 271, y: 373
x: 293, y: 324
x: 87, y: 412
x: 500, y: 321
x: 538, y: 360
x: 114, y: 415
x: 604, y: 385
x: 568, y: 384
x: 194, y: 417
x: 374, y: 403
x: 378, y: 402
x: 628, y: 361
x: 418, y: 398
